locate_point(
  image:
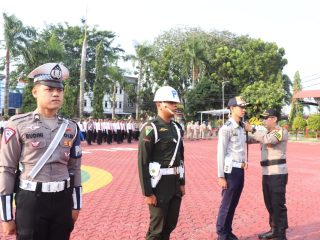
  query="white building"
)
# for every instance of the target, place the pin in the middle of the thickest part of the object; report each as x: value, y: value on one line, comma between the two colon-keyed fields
x: 123, y: 106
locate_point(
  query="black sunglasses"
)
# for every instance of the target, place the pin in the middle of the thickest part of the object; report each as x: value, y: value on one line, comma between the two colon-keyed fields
x: 265, y: 118
x: 243, y: 107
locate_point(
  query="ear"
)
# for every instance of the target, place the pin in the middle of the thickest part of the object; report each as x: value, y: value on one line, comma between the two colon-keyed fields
x: 35, y: 91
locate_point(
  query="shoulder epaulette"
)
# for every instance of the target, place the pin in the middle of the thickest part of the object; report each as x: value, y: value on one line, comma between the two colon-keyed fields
x: 278, y: 133
x: 228, y: 123
x: 20, y: 116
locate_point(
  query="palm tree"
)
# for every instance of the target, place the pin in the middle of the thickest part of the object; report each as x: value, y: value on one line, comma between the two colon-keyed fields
x: 115, y: 75
x: 143, y: 56
x: 16, y: 38
x: 195, y: 51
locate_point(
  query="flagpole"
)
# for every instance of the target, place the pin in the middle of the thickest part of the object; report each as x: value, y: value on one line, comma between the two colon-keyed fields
x: 83, y: 67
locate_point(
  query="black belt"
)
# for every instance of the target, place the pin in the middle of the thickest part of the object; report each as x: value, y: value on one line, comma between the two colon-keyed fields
x: 272, y: 162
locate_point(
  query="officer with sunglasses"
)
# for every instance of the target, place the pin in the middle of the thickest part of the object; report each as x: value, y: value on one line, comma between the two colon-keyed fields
x: 274, y: 172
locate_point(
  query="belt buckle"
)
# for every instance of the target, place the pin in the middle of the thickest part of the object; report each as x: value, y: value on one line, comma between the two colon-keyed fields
x: 28, y: 186
x: 54, y: 186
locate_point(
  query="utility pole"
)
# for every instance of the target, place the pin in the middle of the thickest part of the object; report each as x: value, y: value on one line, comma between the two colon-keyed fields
x: 223, y: 84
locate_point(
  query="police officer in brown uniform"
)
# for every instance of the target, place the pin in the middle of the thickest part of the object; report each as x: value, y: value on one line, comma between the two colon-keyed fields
x: 47, y: 148
x: 274, y: 172
x: 160, y: 163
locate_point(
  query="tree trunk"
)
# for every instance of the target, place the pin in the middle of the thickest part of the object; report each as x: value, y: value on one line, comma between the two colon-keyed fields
x: 138, y: 92
x: 82, y: 73
x: 6, y: 85
x: 113, y: 99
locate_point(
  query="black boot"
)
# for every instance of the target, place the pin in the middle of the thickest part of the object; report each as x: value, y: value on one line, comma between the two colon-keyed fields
x: 268, y: 235
x: 232, y: 237
x: 281, y: 235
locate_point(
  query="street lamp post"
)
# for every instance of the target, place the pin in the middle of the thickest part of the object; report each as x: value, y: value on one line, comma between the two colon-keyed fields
x: 223, y: 84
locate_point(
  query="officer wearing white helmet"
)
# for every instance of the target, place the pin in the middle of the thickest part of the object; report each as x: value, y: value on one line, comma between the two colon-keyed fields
x: 47, y: 148
x: 161, y: 165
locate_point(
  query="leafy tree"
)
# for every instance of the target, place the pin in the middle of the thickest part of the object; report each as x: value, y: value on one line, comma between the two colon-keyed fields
x: 68, y: 110
x: 195, y: 50
x: 314, y: 123
x: 202, y: 97
x: 262, y: 96
x: 99, y: 84
x: 299, y: 124
x: 28, y: 101
x: 17, y: 39
x: 115, y: 76
x: 41, y: 51
x: 296, y: 107
x: 143, y: 57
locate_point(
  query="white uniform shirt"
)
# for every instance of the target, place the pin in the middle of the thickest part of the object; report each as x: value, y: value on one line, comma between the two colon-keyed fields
x: 231, y: 145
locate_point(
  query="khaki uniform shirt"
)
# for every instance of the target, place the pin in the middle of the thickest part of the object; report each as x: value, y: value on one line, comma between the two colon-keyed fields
x: 273, y: 147
x: 25, y: 139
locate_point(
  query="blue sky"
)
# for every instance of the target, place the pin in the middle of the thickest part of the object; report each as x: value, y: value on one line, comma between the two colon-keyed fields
x: 291, y: 24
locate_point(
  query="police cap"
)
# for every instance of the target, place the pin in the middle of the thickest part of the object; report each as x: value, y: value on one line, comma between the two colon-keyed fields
x: 50, y: 74
x: 237, y: 102
x: 270, y: 113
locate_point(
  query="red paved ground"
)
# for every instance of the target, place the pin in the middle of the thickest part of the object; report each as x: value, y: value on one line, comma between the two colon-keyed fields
x: 117, y: 211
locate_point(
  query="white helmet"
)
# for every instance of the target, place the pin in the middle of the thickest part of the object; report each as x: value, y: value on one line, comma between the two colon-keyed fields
x: 166, y: 94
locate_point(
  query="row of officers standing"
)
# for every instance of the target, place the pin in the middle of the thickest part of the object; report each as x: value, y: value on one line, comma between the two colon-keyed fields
x: 41, y: 164
x: 107, y: 130
x: 162, y: 172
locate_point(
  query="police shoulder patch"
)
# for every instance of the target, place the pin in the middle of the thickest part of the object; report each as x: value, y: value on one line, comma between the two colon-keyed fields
x: 148, y: 130
x: 278, y: 134
x: 8, y: 133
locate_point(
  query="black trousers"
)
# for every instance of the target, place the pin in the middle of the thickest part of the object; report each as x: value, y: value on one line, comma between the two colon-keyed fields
x: 129, y: 136
x: 44, y: 216
x: 109, y: 139
x: 274, y: 193
x: 118, y: 136
x: 99, y: 137
x: 164, y: 216
x: 89, y: 136
x: 229, y: 202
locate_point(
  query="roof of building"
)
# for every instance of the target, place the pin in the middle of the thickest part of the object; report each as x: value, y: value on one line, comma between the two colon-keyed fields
x: 307, y: 94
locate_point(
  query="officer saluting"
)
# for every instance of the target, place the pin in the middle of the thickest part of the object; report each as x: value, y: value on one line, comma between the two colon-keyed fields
x: 47, y: 148
x: 231, y: 164
x: 160, y: 162
x: 274, y: 172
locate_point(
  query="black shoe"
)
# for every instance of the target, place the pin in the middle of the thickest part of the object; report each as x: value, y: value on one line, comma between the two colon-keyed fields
x: 268, y: 235
x: 232, y: 237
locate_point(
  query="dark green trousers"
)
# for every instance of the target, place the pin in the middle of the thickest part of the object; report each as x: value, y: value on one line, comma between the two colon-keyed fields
x: 164, y: 216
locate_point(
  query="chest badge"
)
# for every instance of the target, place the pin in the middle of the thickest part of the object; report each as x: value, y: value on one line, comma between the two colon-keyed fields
x: 33, y: 127
x: 35, y: 144
x: 67, y: 143
x: 163, y: 129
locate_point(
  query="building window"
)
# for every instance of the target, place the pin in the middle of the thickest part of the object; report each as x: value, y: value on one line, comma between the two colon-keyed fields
x: 130, y: 103
x: 120, y: 90
x: 120, y: 104
x: 91, y: 103
x: 106, y: 104
x: 85, y: 103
